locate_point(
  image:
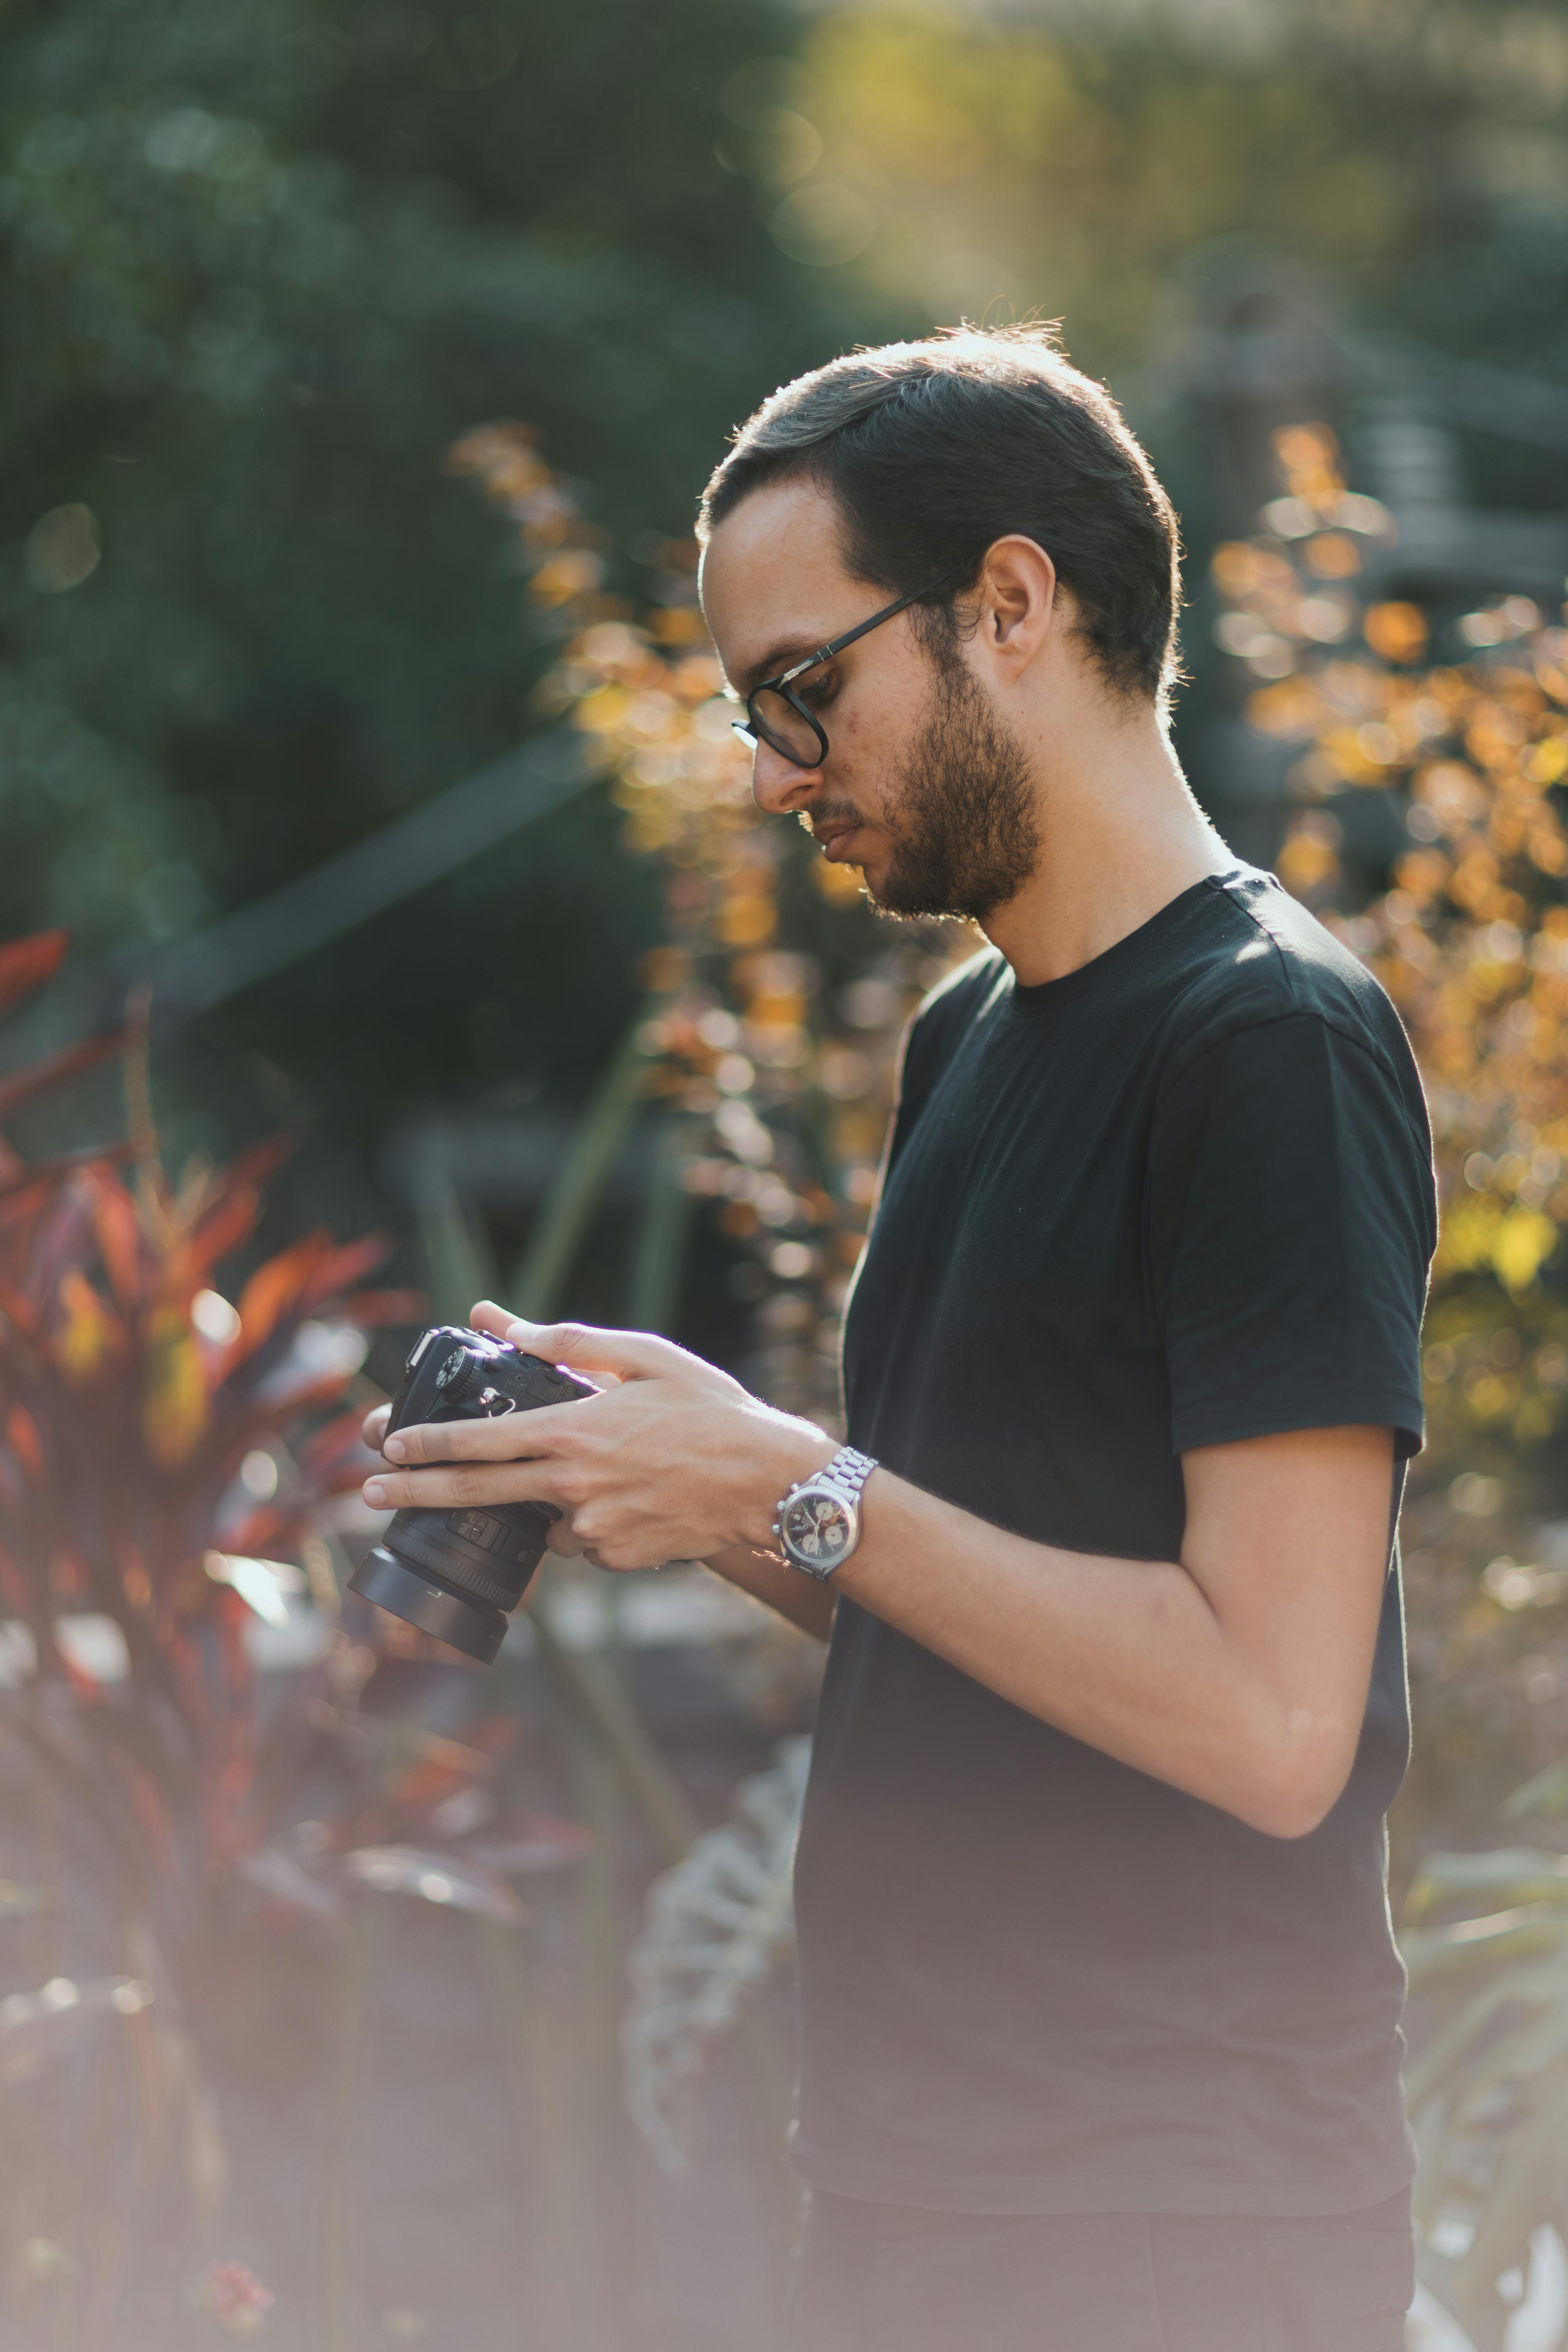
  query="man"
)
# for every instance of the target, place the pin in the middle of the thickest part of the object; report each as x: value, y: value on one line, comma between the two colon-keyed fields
x: 1101, y: 2002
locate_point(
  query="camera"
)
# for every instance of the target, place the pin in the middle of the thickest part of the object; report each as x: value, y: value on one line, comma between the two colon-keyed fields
x: 456, y: 1574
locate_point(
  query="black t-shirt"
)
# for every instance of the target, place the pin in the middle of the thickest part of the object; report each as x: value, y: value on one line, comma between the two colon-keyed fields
x: 1182, y: 1196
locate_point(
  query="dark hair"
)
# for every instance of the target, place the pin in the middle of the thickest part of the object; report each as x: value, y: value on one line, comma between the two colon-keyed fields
x: 935, y: 449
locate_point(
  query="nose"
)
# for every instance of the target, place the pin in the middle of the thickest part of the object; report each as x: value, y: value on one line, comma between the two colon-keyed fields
x: 779, y: 787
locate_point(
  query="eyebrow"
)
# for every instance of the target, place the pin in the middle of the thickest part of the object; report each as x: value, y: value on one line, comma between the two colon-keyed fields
x: 777, y: 659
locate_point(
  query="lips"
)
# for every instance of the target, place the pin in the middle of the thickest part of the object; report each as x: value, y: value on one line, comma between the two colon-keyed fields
x: 831, y: 841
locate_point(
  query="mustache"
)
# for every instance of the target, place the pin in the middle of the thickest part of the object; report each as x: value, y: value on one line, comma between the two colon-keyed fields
x: 830, y: 817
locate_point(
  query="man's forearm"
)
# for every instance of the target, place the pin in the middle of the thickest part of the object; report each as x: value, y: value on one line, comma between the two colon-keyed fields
x: 1124, y: 1655
x: 806, y: 1603
x: 1255, y: 1713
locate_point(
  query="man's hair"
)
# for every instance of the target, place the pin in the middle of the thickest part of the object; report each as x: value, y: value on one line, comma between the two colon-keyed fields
x: 933, y: 450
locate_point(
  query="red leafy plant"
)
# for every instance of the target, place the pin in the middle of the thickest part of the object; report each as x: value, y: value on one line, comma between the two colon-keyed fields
x: 134, y: 1401
x: 165, y: 1456
x: 162, y: 1452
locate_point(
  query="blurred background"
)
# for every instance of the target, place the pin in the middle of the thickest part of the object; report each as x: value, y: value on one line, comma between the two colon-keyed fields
x: 390, y: 926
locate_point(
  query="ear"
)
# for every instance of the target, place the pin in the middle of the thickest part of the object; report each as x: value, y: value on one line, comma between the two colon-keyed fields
x: 1019, y: 598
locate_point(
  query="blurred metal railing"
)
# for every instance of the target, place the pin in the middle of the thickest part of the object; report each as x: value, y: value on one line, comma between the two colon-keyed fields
x: 190, y: 977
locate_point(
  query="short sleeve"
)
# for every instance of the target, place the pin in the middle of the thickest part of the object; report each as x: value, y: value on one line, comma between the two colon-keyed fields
x: 1291, y: 1224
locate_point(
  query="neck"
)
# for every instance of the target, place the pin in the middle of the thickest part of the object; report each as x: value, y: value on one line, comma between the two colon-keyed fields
x: 1121, y: 835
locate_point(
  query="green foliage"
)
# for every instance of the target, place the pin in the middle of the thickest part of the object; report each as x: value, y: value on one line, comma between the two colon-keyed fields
x: 264, y: 263
x: 1072, y: 160
x: 1086, y: 167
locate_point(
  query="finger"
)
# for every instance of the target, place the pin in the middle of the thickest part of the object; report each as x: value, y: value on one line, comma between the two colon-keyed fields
x: 488, y: 1316
x: 375, y: 1422
x: 636, y: 1561
x: 502, y: 1324
x: 627, y: 1355
x: 510, y: 1437
x: 461, y: 1483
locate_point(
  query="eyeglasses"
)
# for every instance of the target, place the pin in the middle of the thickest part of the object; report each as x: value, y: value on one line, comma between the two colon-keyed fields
x: 776, y: 716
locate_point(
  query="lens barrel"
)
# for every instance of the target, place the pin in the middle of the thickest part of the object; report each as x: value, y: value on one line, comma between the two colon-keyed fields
x: 458, y: 1574
x: 421, y: 1598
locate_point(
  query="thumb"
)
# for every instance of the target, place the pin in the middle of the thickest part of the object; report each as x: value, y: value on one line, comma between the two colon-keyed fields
x: 623, y: 1355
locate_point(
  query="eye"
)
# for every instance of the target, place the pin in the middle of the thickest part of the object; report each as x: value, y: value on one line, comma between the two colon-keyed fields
x: 818, y: 688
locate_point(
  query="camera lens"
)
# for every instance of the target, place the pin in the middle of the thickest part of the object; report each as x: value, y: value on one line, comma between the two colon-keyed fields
x: 458, y: 1574
x: 455, y: 1574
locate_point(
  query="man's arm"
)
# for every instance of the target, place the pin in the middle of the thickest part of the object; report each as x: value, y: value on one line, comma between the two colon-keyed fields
x: 1238, y: 1673
x: 808, y: 1605
x: 1268, y: 1621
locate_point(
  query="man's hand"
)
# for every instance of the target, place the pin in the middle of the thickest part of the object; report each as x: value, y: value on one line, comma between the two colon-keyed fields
x: 672, y: 1460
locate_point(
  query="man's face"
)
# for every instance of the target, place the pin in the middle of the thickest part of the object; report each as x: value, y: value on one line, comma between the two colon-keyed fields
x: 924, y: 787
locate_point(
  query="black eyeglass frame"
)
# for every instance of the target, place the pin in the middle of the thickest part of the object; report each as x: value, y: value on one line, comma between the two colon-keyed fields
x: 752, y: 731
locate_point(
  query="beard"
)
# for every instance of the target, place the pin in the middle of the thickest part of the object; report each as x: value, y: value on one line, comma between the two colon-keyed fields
x: 963, y: 823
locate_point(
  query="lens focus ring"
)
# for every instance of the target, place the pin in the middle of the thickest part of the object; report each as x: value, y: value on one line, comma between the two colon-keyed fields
x: 454, y: 1567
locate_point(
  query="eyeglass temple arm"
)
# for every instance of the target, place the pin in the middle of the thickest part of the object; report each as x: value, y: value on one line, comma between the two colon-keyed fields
x: 887, y: 613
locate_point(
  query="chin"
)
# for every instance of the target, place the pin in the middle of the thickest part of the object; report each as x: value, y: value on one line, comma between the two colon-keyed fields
x: 887, y: 884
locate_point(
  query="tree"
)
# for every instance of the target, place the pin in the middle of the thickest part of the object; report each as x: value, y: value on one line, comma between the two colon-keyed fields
x: 266, y: 262
x: 1071, y: 161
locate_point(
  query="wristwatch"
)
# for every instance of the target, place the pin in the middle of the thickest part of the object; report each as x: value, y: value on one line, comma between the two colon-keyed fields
x: 818, y: 1524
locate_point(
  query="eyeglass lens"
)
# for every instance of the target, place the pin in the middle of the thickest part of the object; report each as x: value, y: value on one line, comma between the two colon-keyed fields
x: 781, y: 724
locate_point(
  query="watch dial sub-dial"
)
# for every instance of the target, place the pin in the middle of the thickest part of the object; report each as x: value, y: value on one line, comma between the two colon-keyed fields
x: 817, y: 1527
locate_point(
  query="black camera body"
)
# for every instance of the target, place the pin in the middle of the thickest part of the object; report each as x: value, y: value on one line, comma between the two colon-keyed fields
x: 458, y: 1574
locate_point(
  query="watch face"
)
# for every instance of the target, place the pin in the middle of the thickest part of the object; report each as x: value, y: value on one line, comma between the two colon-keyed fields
x: 817, y: 1527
